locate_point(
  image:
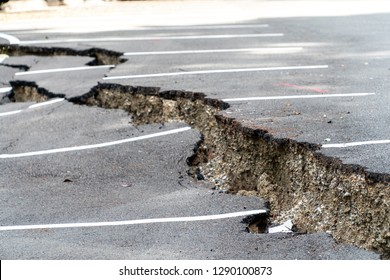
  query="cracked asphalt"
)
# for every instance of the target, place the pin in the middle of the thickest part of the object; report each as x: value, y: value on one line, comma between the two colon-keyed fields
x: 147, y: 179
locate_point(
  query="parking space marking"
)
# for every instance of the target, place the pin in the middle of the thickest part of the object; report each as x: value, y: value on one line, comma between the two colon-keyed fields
x: 285, y: 227
x: 278, y: 50
x: 218, y: 71
x: 6, y: 89
x: 353, y: 144
x: 3, y: 57
x: 10, y: 113
x: 136, y: 222
x: 40, y: 104
x: 191, y: 27
x: 95, y: 146
x: 37, y: 105
x: 11, y: 39
x: 148, y: 38
x: 298, y: 96
x: 63, y: 70
x: 225, y: 26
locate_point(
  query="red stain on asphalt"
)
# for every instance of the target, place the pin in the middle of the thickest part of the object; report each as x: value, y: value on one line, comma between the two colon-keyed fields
x: 302, y: 87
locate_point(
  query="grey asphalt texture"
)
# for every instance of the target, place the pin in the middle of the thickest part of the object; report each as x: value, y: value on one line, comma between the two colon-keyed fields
x: 148, y: 179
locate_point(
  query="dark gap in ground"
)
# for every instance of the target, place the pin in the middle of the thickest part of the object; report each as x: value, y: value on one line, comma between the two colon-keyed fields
x: 101, y: 56
x: 300, y: 183
x: 258, y: 223
x: 21, y: 67
x: 23, y: 91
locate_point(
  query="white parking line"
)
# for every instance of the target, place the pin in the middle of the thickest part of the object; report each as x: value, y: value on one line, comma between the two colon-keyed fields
x: 95, y: 146
x: 10, y: 113
x: 297, y: 96
x: 353, y: 144
x: 40, y: 104
x: 253, y: 50
x: 63, y: 70
x: 217, y: 71
x: 196, y: 27
x: 143, y: 28
x: 285, y: 227
x: 148, y: 38
x: 6, y: 89
x: 135, y: 222
x: 3, y: 57
x: 11, y: 39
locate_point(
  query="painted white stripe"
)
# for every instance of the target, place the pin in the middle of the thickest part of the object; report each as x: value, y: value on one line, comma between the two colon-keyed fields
x: 11, y: 39
x: 192, y: 27
x: 3, y: 57
x: 33, y: 106
x: 285, y: 227
x: 196, y: 27
x: 147, y: 38
x: 297, y: 96
x: 352, y: 144
x: 10, y: 113
x: 217, y: 71
x: 256, y: 50
x: 63, y: 70
x: 135, y: 222
x: 46, y: 103
x: 6, y: 89
x: 95, y: 146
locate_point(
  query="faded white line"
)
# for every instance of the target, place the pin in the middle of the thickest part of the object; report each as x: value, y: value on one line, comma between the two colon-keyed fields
x: 297, y: 96
x: 143, y: 28
x: 46, y: 103
x: 95, y: 146
x: 6, y: 89
x: 285, y: 227
x: 217, y: 71
x: 3, y: 57
x: 136, y: 222
x: 10, y: 113
x: 11, y: 39
x: 196, y: 27
x: 148, y: 38
x: 63, y: 70
x: 353, y: 144
x: 41, y: 104
x: 279, y: 50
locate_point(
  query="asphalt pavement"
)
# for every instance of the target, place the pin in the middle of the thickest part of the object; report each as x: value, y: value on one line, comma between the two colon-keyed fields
x: 318, y: 79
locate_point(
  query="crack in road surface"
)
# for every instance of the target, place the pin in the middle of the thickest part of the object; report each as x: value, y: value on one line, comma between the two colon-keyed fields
x: 318, y: 193
x: 101, y: 56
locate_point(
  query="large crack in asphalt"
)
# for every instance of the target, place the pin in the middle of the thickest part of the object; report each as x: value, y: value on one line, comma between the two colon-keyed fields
x: 318, y: 193
x: 24, y: 91
x: 101, y: 56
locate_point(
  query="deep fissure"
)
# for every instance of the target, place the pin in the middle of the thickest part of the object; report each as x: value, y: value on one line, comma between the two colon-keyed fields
x: 101, y: 56
x: 319, y: 194
x: 21, y: 67
x: 23, y: 91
